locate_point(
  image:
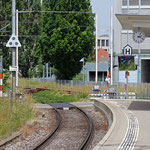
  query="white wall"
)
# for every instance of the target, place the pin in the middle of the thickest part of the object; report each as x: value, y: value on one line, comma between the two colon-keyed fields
x: 131, y: 79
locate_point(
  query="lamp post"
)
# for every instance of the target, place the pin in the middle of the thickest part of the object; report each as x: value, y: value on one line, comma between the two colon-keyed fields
x: 96, y: 72
x: 17, y: 48
x: 111, y: 44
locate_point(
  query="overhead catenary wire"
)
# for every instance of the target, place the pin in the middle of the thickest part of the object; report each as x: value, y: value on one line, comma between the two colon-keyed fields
x: 5, y: 21
x: 24, y: 36
x: 45, y: 35
x: 20, y: 22
x: 4, y: 27
x: 4, y: 31
x: 58, y: 12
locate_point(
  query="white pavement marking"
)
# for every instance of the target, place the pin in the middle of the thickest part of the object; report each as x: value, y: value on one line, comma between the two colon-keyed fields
x: 131, y: 135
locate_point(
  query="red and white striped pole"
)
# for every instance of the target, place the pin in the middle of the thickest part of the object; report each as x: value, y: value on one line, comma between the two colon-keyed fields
x: 1, y: 84
x: 126, y: 83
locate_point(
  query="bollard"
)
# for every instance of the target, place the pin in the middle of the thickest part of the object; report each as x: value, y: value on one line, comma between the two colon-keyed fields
x: 1, y: 84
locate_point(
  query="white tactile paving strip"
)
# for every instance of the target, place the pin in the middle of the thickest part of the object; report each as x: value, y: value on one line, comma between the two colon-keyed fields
x: 132, y: 132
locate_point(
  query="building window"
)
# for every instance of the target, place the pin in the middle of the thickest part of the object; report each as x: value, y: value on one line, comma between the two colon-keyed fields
x: 133, y: 2
x: 107, y: 43
x: 91, y: 76
x: 98, y: 42
x: 145, y: 2
x: 100, y: 78
x: 124, y: 2
x: 103, y: 42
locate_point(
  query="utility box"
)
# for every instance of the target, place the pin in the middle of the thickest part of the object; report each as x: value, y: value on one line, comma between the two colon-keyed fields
x: 96, y: 89
x: 112, y: 93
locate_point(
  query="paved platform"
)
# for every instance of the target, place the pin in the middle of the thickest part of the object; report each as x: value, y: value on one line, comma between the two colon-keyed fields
x: 132, y: 128
x: 83, y: 104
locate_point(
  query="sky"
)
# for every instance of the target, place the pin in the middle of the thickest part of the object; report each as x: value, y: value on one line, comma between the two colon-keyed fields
x: 102, y: 8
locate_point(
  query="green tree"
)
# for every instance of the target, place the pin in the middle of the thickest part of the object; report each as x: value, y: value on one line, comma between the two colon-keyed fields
x: 69, y: 37
x: 5, y: 27
x: 29, y: 28
x: 28, y: 25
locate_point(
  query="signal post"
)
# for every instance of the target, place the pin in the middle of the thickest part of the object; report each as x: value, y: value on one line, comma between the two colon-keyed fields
x: 13, y: 43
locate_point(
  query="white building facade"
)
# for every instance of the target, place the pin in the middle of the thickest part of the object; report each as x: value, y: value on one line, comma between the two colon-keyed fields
x: 103, y: 42
x: 132, y: 16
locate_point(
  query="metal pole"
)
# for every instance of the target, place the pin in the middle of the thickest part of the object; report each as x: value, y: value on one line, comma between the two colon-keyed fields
x: 111, y: 44
x: 138, y: 67
x: 50, y: 72
x: 139, y: 11
x: 47, y: 70
x: 13, y: 51
x: 1, y: 64
x: 126, y: 84
x: 83, y: 70
x: 128, y: 5
x: 96, y: 24
x: 17, y: 48
x: 1, y: 76
x: 41, y: 2
x: 13, y: 16
x: 43, y: 72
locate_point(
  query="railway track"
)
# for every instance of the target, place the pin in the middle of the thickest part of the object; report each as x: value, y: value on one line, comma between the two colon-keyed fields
x: 59, y: 119
x: 35, y: 90
x: 66, y: 121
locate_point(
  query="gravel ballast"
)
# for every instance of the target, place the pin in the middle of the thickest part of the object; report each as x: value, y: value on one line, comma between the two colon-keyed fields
x: 68, y: 139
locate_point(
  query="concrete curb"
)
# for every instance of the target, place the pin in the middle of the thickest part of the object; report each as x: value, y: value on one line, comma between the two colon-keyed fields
x: 10, y: 138
x: 40, y: 106
x: 106, y: 108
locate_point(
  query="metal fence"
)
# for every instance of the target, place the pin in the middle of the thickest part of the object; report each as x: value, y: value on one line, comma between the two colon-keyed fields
x: 142, y: 90
x: 71, y: 82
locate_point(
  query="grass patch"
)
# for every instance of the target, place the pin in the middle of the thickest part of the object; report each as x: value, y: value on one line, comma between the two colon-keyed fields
x: 56, y: 96
x: 12, y: 117
x: 84, y: 89
x: 36, y: 84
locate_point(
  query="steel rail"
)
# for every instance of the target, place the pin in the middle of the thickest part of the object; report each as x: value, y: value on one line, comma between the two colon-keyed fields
x: 59, y: 119
x: 86, y: 140
x: 90, y: 130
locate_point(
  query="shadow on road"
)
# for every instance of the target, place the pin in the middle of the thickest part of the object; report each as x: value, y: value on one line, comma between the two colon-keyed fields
x: 135, y: 105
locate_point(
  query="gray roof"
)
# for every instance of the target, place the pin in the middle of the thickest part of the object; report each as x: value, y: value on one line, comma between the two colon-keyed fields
x: 103, y: 67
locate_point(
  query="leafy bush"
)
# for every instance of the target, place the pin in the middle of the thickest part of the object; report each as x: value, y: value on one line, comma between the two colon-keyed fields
x: 82, y: 95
